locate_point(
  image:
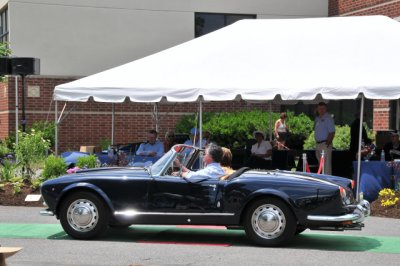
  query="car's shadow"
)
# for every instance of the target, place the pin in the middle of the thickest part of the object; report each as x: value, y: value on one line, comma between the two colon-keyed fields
x: 218, y: 237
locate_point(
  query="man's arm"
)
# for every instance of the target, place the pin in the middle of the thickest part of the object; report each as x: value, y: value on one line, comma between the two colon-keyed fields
x: 331, y: 130
x: 329, y: 139
x: 159, y: 149
x: 141, y: 151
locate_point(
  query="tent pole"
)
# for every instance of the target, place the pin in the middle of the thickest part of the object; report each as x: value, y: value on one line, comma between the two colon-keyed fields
x: 113, y: 124
x: 398, y: 115
x: 56, y: 127
x: 359, y: 147
x: 270, y: 121
x: 201, y: 124
x: 16, y: 110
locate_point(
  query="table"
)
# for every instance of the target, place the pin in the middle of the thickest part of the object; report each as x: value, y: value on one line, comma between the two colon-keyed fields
x: 375, y: 175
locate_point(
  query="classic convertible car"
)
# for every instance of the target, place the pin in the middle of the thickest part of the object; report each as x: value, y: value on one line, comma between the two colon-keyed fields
x: 271, y: 206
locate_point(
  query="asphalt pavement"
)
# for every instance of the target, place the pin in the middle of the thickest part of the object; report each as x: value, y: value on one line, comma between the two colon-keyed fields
x: 45, y: 243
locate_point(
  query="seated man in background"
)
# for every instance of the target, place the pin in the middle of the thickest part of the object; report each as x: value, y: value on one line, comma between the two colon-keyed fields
x: 213, y: 170
x: 392, y: 148
x: 261, y: 152
x: 152, y: 147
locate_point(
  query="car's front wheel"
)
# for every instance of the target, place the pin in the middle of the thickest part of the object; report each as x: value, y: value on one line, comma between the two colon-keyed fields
x: 83, y: 215
x: 269, y: 222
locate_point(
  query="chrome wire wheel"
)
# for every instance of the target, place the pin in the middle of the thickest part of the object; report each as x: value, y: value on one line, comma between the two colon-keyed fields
x: 82, y: 215
x: 268, y: 221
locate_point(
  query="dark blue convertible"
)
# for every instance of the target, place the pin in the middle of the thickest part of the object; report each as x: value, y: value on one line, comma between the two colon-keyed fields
x: 271, y: 206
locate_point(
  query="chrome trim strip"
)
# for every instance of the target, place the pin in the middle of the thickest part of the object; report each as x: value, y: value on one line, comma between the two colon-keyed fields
x: 46, y: 213
x: 359, y: 214
x: 341, y: 218
x: 134, y: 213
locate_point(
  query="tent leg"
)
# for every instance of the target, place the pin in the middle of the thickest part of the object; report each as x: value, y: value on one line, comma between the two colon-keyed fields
x: 113, y: 125
x: 398, y: 115
x: 56, y: 127
x: 359, y: 148
x: 270, y: 121
x: 201, y: 124
x: 16, y: 110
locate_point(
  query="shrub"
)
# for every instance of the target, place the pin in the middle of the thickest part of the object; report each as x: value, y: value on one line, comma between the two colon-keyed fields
x: 31, y: 150
x: 54, y: 167
x: 4, y: 150
x: 341, y: 140
x: 87, y: 161
x: 48, y: 129
x: 7, y: 170
x: 234, y: 129
x: 104, y: 144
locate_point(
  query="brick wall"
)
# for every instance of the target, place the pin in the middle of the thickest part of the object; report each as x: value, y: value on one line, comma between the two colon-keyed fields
x: 381, y: 115
x: 88, y: 123
x: 390, y: 8
x: 4, y: 115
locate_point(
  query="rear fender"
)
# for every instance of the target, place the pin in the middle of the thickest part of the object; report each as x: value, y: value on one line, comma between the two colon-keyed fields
x: 267, y: 192
x: 83, y: 186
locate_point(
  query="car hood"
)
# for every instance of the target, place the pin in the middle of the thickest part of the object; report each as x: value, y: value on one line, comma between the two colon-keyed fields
x: 108, y: 172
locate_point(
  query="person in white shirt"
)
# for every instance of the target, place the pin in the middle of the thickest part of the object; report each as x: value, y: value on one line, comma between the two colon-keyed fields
x: 213, y: 169
x: 261, y: 152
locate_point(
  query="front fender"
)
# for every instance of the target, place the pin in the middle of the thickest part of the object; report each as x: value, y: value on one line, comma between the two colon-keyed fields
x: 82, y: 186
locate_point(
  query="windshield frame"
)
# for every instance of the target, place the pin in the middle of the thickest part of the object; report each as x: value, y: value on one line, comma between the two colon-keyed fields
x: 162, y: 164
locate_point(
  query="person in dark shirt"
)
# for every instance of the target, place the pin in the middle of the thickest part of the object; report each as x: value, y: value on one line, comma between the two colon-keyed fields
x: 392, y: 148
x: 354, y: 135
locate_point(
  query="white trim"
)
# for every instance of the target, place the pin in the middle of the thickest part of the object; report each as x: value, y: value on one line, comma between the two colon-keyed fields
x: 384, y: 109
x: 100, y: 113
x: 135, y: 213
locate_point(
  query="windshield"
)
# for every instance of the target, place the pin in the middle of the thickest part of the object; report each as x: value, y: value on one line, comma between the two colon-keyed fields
x: 183, y: 153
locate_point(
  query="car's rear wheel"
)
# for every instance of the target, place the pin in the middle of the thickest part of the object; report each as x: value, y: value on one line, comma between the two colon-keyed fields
x: 269, y: 222
x: 83, y: 215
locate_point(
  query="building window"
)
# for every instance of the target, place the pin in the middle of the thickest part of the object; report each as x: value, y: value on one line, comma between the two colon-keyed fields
x: 4, y: 25
x: 209, y: 22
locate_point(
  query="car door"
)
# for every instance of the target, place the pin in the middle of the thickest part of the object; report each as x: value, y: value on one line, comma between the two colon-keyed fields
x: 175, y: 194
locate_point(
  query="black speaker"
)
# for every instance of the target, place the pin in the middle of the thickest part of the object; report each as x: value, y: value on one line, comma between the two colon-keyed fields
x: 25, y: 66
x: 5, y: 66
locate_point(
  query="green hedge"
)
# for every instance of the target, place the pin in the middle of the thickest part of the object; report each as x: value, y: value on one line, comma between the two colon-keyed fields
x: 234, y: 129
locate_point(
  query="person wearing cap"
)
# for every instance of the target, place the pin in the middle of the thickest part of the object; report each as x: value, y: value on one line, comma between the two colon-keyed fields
x: 324, y: 129
x: 392, y: 148
x: 153, y: 147
x: 193, y: 138
x: 261, y: 152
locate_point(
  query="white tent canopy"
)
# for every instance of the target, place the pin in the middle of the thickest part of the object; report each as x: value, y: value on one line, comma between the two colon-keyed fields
x: 258, y: 60
x: 290, y: 59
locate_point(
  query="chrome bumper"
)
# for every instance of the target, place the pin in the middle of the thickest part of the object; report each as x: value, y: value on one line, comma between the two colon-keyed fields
x: 362, y: 210
x: 46, y: 213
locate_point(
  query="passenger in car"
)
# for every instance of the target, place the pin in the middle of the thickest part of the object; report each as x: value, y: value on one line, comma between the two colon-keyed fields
x: 212, y: 159
x: 226, y: 163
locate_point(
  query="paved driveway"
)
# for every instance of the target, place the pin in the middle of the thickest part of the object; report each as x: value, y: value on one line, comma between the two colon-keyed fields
x: 45, y: 243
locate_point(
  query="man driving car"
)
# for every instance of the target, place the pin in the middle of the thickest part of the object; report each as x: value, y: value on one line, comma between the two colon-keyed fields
x: 213, y: 169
